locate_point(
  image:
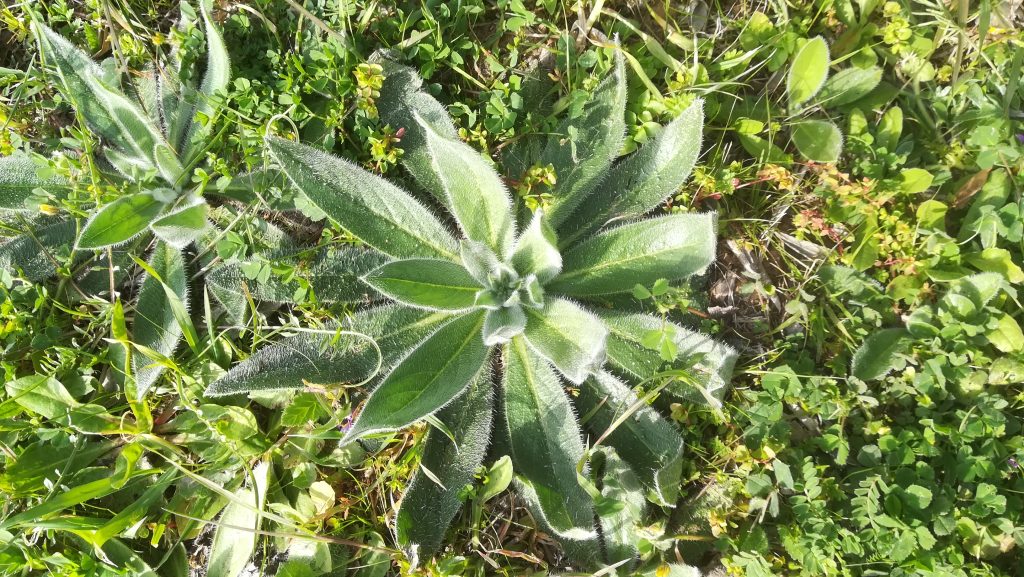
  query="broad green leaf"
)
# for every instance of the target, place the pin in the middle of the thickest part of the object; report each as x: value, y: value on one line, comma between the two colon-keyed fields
x: 641, y: 181
x: 18, y: 179
x: 849, y: 85
x: 42, y: 460
x: 570, y: 337
x: 915, y: 180
x: 710, y: 362
x: 498, y: 478
x: 182, y: 225
x: 583, y: 147
x: 641, y: 437
x: 670, y: 247
x: 427, y: 509
x: 38, y: 253
x: 374, y: 210
x: 544, y: 441
x: 878, y: 354
x: 327, y: 358
x: 436, y: 371
x: 1007, y: 336
x: 49, y: 398
x: 426, y: 283
x: 621, y: 508
x: 500, y: 325
x: 818, y: 140
x: 120, y: 220
x: 476, y: 195
x: 334, y: 275
x: 155, y: 325
x: 890, y: 128
x: 536, y: 251
x: 402, y: 96
x: 235, y: 539
x: 994, y: 194
x: 764, y: 150
x: 808, y: 71
x: 215, y: 79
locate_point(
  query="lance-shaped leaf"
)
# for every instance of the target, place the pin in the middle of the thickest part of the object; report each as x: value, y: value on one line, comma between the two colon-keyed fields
x: 138, y: 137
x: 215, y: 79
x: 712, y: 362
x: 401, y: 95
x: 38, y: 253
x: 427, y: 509
x: 642, y: 437
x: 167, y: 164
x: 475, y: 193
x: 120, y: 220
x: 849, y: 86
x: 76, y: 69
x: 374, y: 210
x: 621, y: 510
x: 18, y: 179
x: 335, y: 275
x: 326, y: 357
x: 568, y: 336
x: 614, y: 261
x: 879, y: 353
x: 500, y: 325
x: 433, y: 374
x: 536, y: 251
x: 426, y: 283
x: 182, y: 225
x: 544, y: 441
x: 641, y: 181
x: 155, y: 325
x: 808, y: 71
x: 583, y: 147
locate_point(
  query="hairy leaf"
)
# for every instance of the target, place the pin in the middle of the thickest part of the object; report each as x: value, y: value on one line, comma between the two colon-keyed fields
x: 215, y: 79
x: 426, y: 283
x: 712, y: 362
x: 427, y: 509
x: 234, y: 540
x: 536, y: 251
x: 670, y: 247
x: 376, y: 211
x: 571, y: 338
x: 500, y: 325
x: 849, y: 85
x: 818, y: 140
x: 18, y: 179
x: 155, y: 325
x: 323, y: 357
x: 38, y: 253
x: 622, y: 510
x: 640, y: 182
x: 544, y: 441
x: 808, y: 71
x: 433, y: 373
x: 583, y: 147
x: 644, y: 439
x: 476, y: 195
x: 182, y: 225
x: 120, y: 220
x: 878, y: 354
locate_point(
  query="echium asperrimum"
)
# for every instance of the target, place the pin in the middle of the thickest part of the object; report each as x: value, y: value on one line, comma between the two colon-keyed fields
x: 500, y: 311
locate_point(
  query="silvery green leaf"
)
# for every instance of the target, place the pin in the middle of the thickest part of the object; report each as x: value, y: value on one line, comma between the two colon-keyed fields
x: 536, y: 251
x: 436, y: 371
x: 583, y: 147
x: 235, y: 538
x: 138, y: 136
x: 480, y: 261
x: 155, y: 325
x: 500, y: 325
x: 645, y: 440
x: 808, y: 71
x: 878, y: 354
x: 643, y: 180
x: 36, y: 254
x: 544, y: 441
x: 427, y: 509
x: 712, y: 362
x: 849, y: 85
x: 401, y: 96
x: 476, y: 195
x: 18, y: 179
x: 215, y: 79
x: 333, y: 274
x: 120, y: 220
x: 182, y: 225
x: 371, y: 208
x: 426, y: 283
x: 568, y: 336
x: 621, y: 513
x: 167, y: 164
x: 325, y: 357
x: 667, y: 247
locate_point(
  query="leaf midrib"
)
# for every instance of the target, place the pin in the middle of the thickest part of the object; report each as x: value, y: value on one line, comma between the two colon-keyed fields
x: 593, y: 269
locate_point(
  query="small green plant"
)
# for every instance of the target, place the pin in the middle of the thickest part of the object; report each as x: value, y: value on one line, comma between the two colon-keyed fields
x: 495, y: 319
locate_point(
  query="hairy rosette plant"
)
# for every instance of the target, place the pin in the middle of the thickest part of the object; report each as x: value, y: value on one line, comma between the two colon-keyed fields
x: 489, y: 324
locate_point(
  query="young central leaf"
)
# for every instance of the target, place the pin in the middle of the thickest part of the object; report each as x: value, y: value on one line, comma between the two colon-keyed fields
x: 426, y: 283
